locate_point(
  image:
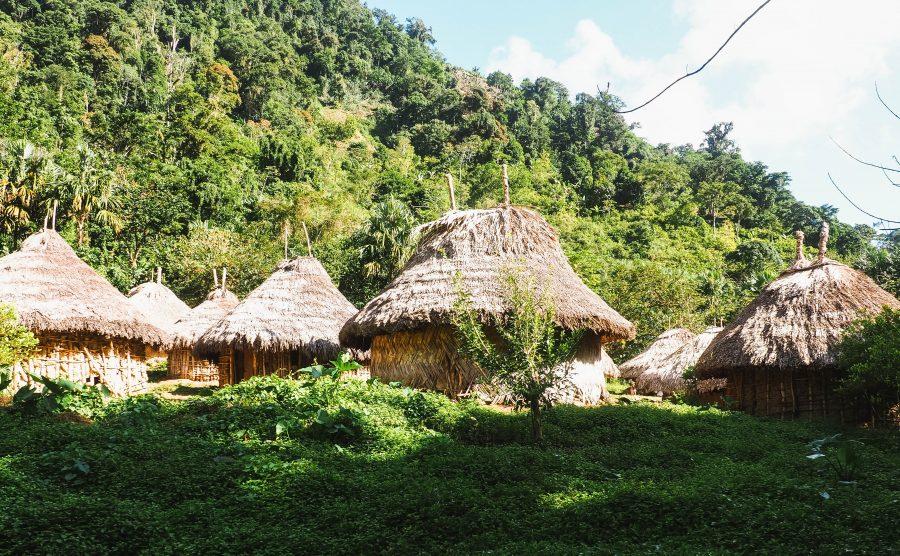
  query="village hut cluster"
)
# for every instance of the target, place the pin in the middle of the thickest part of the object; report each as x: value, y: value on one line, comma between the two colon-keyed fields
x: 776, y: 358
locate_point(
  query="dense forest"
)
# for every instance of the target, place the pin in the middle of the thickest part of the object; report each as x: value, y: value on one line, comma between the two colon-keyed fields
x: 196, y: 134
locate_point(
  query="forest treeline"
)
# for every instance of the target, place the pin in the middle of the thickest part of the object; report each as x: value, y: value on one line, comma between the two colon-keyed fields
x: 194, y: 134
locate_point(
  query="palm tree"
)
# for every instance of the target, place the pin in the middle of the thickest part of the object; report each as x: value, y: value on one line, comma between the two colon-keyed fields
x: 26, y: 173
x: 387, y: 239
x: 92, y: 191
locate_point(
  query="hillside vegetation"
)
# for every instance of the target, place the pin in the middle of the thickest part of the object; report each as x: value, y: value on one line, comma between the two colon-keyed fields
x: 190, y: 134
x: 279, y: 466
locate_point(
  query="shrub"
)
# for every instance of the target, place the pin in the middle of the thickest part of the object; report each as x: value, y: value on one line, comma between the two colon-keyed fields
x: 870, y: 351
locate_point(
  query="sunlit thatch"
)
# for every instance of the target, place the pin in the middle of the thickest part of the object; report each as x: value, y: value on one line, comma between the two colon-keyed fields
x: 667, y: 376
x: 663, y: 346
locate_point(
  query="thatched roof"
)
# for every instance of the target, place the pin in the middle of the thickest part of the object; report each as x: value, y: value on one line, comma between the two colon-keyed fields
x: 668, y: 375
x: 608, y: 366
x: 797, y: 320
x: 297, y: 308
x: 474, y: 246
x: 188, y: 329
x: 55, y: 291
x: 159, y: 304
x: 663, y: 346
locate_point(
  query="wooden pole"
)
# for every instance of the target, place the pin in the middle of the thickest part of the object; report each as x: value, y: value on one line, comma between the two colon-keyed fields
x: 287, y: 235
x: 452, y: 192
x: 55, y: 204
x: 216, y: 277
x: 505, y: 186
x: 224, y: 277
x: 159, y: 275
x: 308, y: 243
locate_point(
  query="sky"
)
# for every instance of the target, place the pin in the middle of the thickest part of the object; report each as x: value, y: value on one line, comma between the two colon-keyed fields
x: 798, y: 77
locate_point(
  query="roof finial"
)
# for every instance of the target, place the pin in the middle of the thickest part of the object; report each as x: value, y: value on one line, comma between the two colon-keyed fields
x: 224, y: 276
x: 505, y: 186
x: 800, y: 257
x: 46, y: 219
x: 159, y: 275
x: 308, y: 243
x: 55, y: 204
x: 452, y: 192
x: 216, y: 277
x: 823, y: 242
x: 287, y: 235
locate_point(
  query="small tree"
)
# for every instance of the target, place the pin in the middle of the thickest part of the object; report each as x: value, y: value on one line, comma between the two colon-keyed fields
x: 870, y: 351
x: 16, y: 343
x: 530, y: 356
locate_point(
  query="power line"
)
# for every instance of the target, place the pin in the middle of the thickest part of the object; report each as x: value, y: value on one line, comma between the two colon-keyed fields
x: 698, y: 70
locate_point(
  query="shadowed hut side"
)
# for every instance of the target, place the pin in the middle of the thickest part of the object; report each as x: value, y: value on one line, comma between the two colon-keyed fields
x: 182, y: 362
x: 667, y: 376
x: 408, y: 325
x: 88, y: 331
x: 663, y: 346
x: 290, y: 321
x: 159, y: 305
x: 779, y: 355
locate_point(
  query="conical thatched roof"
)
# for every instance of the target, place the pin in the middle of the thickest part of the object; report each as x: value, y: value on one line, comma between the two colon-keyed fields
x: 298, y: 307
x: 474, y: 246
x: 188, y: 329
x: 608, y: 366
x: 797, y: 320
x: 663, y: 346
x: 55, y: 291
x: 158, y: 304
x: 668, y: 375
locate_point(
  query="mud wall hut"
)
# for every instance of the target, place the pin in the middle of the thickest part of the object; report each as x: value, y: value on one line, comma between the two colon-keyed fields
x: 87, y: 330
x: 779, y: 355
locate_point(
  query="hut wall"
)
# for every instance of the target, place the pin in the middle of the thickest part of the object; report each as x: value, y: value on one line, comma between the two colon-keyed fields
x: 237, y: 365
x: 786, y: 394
x: 183, y: 364
x: 429, y: 359
x: 89, y: 359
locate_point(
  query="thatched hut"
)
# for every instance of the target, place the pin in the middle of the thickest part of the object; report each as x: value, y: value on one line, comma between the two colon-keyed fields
x: 408, y: 325
x: 87, y: 330
x: 663, y: 346
x: 189, y: 329
x: 290, y: 321
x: 779, y: 355
x: 667, y: 376
x: 159, y: 305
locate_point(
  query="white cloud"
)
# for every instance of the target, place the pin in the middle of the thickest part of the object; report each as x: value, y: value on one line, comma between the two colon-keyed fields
x: 800, y: 71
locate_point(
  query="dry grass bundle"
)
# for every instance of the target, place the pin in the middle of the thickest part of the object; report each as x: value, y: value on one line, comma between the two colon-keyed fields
x: 54, y: 291
x: 668, y: 375
x: 474, y: 246
x: 663, y: 346
x: 188, y: 329
x: 159, y: 305
x: 297, y: 308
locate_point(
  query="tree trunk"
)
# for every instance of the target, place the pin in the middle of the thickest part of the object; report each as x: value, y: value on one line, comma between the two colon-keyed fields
x: 537, y: 429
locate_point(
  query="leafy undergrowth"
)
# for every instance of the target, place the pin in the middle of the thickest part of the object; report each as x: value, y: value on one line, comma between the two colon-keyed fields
x: 279, y: 466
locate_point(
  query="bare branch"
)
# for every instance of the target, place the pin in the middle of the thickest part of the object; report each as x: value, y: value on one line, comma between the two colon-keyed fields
x: 884, y: 103
x: 857, y: 206
x: 880, y: 167
x: 698, y: 70
x: 895, y: 184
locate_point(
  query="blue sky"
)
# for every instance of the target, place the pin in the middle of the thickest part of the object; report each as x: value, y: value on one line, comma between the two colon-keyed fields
x: 800, y: 72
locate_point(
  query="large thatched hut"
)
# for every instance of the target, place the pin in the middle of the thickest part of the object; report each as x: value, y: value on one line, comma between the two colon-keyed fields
x: 159, y: 305
x: 290, y: 321
x: 663, y: 346
x: 408, y: 325
x: 779, y: 355
x: 667, y: 376
x: 187, y: 330
x: 88, y: 332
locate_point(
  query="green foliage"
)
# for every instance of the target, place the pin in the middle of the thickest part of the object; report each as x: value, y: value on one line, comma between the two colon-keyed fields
x: 427, y: 475
x: 870, y: 351
x: 530, y: 355
x: 842, y: 455
x: 16, y: 344
x: 59, y: 395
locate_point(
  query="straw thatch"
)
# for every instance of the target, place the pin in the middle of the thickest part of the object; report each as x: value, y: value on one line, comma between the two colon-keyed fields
x: 608, y: 366
x: 780, y: 353
x: 159, y: 305
x: 663, y: 346
x: 408, y: 325
x: 668, y: 375
x: 298, y: 308
x: 188, y: 329
x: 471, y: 248
x: 54, y: 291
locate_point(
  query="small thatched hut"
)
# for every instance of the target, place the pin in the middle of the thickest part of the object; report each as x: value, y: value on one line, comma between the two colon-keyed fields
x: 667, y: 376
x: 663, y: 346
x: 408, y: 325
x: 779, y: 355
x: 88, y: 331
x: 159, y: 305
x: 290, y: 321
x: 189, y: 329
